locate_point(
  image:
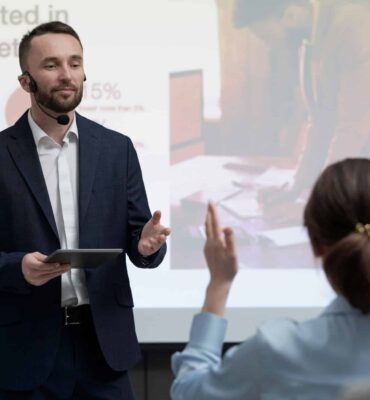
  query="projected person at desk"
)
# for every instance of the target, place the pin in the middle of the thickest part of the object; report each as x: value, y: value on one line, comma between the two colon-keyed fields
x: 67, y: 182
x: 334, y: 67
x: 277, y: 108
x: 287, y: 359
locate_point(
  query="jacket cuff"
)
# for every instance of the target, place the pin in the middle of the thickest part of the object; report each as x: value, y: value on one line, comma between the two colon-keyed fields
x: 11, y: 275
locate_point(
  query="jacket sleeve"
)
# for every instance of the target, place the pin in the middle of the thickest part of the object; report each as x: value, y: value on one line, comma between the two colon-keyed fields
x: 11, y: 276
x: 138, y: 213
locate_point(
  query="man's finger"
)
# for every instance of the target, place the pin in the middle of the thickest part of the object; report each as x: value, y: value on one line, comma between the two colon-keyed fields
x: 59, y: 271
x: 46, y: 278
x: 39, y: 256
x: 153, y: 241
x: 45, y: 267
x: 161, y: 239
x: 156, y: 217
x: 166, y: 231
x: 48, y: 266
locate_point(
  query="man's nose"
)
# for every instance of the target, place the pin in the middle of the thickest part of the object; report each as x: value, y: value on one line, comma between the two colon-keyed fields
x: 65, y: 73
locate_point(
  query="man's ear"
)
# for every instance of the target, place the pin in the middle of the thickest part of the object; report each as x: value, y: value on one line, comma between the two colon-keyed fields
x: 24, y: 82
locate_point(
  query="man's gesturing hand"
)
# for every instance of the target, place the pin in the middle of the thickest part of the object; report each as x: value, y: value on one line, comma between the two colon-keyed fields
x: 37, y: 273
x: 153, y: 235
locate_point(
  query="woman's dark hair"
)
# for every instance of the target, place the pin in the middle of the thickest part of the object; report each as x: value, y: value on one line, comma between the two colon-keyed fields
x: 335, y: 216
x: 48, y: 27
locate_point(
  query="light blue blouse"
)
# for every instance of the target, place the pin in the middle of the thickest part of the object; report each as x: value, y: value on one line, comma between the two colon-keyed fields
x: 284, y: 360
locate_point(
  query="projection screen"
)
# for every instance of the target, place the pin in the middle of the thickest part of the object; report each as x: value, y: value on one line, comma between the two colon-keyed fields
x: 226, y: 101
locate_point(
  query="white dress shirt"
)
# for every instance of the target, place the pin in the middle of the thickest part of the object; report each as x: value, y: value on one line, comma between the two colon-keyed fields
x: 60, y: 168
x: 284, y: 360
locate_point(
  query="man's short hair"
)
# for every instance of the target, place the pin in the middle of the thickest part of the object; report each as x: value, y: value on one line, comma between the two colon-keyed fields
x: 48, y: 27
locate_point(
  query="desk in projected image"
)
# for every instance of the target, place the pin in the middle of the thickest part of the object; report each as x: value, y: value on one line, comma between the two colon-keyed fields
x: 270, y: 237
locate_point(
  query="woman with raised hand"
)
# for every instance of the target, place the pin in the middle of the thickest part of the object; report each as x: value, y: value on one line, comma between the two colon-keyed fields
x: 286, y: 359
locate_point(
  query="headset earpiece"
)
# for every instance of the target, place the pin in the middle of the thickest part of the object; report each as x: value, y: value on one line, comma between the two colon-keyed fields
x: 32, y: 85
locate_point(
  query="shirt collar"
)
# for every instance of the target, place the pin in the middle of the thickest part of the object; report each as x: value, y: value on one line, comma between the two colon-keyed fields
x: 39, y: 134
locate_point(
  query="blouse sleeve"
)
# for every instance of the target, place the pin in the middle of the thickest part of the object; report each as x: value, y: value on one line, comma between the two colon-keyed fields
x: 201, y: 373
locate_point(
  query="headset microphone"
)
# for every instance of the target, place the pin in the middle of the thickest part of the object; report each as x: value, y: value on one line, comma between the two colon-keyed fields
x: 62, y: 119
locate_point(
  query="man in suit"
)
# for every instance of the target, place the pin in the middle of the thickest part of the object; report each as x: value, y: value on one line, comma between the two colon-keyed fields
x: 67, y: 182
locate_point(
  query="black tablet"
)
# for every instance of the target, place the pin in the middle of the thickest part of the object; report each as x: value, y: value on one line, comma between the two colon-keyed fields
x: 83, y: 258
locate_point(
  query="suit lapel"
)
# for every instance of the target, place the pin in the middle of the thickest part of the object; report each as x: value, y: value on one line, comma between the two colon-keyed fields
x: 88, y: 160
x: 24, y: 153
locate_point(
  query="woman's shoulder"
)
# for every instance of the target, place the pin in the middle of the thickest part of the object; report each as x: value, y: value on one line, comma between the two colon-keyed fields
x: 338, y: 327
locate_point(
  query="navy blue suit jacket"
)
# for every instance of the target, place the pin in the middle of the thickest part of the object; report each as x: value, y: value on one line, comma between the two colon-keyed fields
x: 113, y: 208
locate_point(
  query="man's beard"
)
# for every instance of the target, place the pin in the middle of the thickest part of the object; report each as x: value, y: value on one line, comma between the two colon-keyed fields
x: 54, y: 103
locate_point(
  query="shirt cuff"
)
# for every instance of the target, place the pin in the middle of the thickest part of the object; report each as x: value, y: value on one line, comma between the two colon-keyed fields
x: 208, y: 331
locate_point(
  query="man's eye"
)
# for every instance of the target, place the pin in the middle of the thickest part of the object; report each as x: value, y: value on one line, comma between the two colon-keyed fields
x: 50, y: 66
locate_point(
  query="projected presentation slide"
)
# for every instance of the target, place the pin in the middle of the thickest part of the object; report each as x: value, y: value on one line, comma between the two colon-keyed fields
x: 239, y: 102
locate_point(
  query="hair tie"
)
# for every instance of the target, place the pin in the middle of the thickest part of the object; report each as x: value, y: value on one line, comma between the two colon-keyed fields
x: 362, y: 228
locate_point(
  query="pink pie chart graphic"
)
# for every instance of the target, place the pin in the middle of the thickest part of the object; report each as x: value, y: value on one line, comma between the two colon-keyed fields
x: 18, y: 102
